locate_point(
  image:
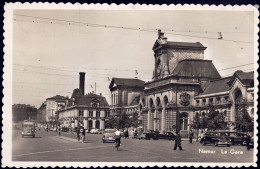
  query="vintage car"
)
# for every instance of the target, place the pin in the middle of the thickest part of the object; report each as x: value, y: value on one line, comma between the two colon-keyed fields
x: 237, y: 138
x: 109, y: 135
x: 28, y: 128
x: 167, y: 135
x: 150, y: 134
x: 217, y: 138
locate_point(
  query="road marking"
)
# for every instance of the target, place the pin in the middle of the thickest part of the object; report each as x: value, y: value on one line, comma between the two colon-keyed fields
x: 51, y: 151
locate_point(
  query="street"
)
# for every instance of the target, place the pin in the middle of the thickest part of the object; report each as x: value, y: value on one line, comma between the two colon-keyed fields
x: 47, y: 146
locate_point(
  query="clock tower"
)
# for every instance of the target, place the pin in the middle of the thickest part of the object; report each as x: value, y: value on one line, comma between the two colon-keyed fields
x: 167, y: 54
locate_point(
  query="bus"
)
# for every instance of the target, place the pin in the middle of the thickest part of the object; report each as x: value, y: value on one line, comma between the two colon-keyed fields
x: 28, y: 128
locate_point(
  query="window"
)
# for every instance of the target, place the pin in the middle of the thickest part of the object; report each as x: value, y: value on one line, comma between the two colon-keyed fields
x: 197, y: 102
x: 81, y: 112
x: 107, y: 114
x: 211, y: 101
x: 94, y: 105
x: 90, y: 113
x: 218, y: 100
x: 204, y: 102
x: 226, y: 99
x: 98, y: 114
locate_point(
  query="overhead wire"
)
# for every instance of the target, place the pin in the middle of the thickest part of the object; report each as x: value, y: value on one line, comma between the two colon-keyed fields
x: 123, y: 27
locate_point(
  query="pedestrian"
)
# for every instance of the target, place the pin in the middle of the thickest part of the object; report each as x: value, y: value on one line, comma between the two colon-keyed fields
x: 126, y: 134
x: 191, y: 136
x: 77, y: 131
x: 140, y: 134
x: 135, y: 134
x: 177, y: 141
x: 248, y: 140
x: 59, y: 129
x: 82, y: 133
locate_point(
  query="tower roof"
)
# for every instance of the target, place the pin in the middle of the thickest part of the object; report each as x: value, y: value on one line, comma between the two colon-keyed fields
x: 196, y: 68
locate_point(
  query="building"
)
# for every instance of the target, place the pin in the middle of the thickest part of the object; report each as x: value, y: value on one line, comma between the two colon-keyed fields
x: 48, y: 110
x: 88, y: 110
x: 124, y: 95
x: 226, y: 94
x: 184, y: 83
x: 41, y: 113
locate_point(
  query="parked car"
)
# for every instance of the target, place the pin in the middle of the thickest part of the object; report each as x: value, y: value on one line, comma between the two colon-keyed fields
x: 94, y: 131
x: 167, y: 135
x: 217, y: 138
x: 151, y: 135
x: 53, y: 129
x: 100, y: 131
x: 237, y: 138
x: 109, y: 135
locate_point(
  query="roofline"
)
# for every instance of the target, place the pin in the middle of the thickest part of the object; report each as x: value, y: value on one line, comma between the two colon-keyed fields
x: 184, y: 47
x: 212, y: 94
x: 220, y: 78
x: 200, y: 60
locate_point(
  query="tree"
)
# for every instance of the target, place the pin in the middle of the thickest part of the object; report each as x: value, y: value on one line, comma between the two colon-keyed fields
x: 112, y: 122
x: 243, y: 123
x: 215, y: 120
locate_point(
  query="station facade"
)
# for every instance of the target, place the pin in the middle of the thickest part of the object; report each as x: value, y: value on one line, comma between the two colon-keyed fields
x: 185, y: 84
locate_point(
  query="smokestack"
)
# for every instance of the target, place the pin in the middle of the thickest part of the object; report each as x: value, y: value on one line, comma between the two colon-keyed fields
x: 82, y: 82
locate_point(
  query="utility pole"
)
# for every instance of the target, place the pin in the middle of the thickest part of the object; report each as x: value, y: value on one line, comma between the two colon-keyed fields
x: 95, y: 87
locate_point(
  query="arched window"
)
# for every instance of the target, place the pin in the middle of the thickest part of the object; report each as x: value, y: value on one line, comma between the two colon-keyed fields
x: 238, y: 96
x: 203, y: 114
x: 165, y: 100
x: 151, y: 103
x: 94, y: 105
x: 225, y: 112
x: 184, y: 121
x: 158, y: 102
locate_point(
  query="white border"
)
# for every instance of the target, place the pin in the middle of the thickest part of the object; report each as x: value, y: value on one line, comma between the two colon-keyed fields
x: 7, y: 82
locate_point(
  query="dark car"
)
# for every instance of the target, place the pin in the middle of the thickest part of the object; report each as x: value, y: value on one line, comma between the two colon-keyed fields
x: 237, y: 138
x: 148, y: 135
x: 167, y: 135
x: 217, y: 138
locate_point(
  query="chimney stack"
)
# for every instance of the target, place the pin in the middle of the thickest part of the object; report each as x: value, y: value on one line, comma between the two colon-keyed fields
x: 82, y: 82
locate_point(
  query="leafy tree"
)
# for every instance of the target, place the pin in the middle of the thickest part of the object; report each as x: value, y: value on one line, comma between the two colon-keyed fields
x: 215, y: 120
x: 134, y: 120
x: 22, y: 112
x: 112, y: 122
x: 244, y: 122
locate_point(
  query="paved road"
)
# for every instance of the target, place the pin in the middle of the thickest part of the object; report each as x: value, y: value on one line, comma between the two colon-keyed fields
x: 47, y: 146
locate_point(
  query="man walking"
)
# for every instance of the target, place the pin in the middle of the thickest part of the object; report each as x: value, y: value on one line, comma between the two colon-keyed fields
x: 177, y: 142
x: 82, y: 133
x: 248, y: 140
x: 191, y: 136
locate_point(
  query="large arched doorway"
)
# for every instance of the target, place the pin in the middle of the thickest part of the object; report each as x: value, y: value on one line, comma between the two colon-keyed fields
x: 97, y: 124
x: 90, y: 124
x: 152, y: 115
x: 184, y: 121
x: 158, y: 119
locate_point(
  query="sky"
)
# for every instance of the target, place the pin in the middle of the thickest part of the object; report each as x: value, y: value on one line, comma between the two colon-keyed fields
x: 48, y: 54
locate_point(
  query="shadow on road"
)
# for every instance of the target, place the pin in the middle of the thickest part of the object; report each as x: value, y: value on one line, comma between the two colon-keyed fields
x: 122, y: 150
x: 32, y: 137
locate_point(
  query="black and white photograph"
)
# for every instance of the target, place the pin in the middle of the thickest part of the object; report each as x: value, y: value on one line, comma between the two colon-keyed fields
x: 130, y: 85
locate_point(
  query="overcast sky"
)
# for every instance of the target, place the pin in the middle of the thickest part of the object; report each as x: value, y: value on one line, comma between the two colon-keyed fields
x: 48, y: 56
